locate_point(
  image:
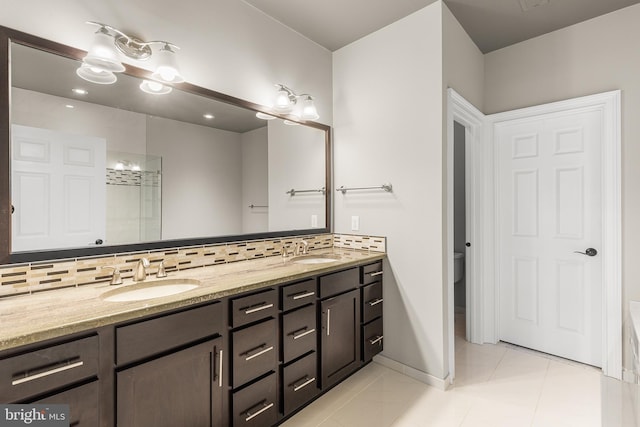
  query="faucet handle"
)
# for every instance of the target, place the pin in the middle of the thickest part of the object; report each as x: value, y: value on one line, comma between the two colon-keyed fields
x: 161, y: 270
x: 285, y: 251
x: 116, y: 278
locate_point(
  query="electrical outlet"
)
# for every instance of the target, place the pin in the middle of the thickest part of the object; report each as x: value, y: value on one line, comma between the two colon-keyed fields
x: 355, y: 223
x: 314, y: 221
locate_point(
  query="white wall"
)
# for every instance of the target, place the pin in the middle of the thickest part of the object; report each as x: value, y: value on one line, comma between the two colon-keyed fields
x: 197, y: 161
x: 595, y: 56
x: 388, y: 128
x: 296, y: 161
x: 255, y: 181
x: 226, y: 45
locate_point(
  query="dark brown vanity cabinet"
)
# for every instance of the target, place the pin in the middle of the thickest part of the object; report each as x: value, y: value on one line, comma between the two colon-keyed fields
x: 372, y: 302
x: 254, y: 358
x: 62, y: 373
x: 340, y: 346
x: 299, y: 377
x: 171, y: 370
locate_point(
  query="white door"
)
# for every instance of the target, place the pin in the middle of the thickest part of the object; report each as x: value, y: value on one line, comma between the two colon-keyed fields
x: 549, y: 203
x: 58, y: 189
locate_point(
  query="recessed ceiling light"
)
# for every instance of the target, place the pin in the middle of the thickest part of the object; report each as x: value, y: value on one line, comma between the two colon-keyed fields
x: 79, y: 91
x: 208, y: 116
x: 69, y: 106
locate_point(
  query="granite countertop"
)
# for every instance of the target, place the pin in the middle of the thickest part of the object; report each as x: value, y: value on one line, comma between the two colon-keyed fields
x: 28, y: 319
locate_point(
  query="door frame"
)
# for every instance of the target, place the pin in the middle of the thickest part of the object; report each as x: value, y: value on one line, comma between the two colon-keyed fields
x: 461, y: 111
x: 482, y: 286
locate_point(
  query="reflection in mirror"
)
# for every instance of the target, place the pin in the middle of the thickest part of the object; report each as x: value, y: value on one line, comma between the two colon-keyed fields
x: 111, y: 165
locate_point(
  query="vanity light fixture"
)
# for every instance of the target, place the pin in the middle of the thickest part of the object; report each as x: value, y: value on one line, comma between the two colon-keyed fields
x: 286, y: 101
x: 264, y: 116
x: 103, y: 58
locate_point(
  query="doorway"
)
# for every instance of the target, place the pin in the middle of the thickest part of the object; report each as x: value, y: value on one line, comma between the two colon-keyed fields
x: 483, y: 223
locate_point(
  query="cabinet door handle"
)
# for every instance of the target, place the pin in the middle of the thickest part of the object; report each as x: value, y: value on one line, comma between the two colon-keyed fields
x: 305, y: 383
x: 262, y: 307
x: 328, y: 321
x: 377, y: 273
x: 303, y: 295
x: 376, y: 302
x: 220, y: 363
x: 47, y: 373
x: 375, y: 340
x: 260, y: 353
x: 304, y: 334
x: 259, y: 408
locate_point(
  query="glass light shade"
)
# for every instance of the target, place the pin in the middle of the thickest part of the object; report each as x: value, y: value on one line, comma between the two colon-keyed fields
x: 167, y: 70
x: 283, y: 103
x: 96, y: 75
x: 102, y: 53
x: 309, y: 111
x: 154, y: 88
x: 290, y: 123
x: 264, y: 116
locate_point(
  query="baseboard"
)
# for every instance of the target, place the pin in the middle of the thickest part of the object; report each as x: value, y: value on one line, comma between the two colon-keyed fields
x: 423, y: 377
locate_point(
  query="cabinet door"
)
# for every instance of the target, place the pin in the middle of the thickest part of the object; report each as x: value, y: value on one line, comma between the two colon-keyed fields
x: 83, y: 404
x: 340, y: 352
x: 180, y: 389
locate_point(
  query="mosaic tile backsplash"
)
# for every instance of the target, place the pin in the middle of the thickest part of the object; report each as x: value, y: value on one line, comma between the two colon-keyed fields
x: 48, y: 275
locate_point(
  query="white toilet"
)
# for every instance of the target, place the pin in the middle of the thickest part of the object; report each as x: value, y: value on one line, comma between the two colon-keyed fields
x: 458, y: 266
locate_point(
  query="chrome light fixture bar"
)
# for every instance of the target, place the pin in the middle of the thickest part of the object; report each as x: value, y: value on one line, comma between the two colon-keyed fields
x: 103, y: 58
x: 286, y: 101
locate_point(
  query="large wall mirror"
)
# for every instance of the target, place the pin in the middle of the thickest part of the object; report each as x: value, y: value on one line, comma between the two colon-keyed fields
x: 90, y: 169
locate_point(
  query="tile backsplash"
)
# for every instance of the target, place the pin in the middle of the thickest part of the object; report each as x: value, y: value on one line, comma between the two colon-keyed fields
x: 16, y: 279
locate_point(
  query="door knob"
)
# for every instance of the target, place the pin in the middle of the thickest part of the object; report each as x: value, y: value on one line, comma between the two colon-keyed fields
x: 587, y: 252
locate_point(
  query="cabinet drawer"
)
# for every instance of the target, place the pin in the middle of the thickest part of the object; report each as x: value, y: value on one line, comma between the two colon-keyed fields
x: 149, y: 337
x: 256, y: 405
x: 372, y: 338
x: 299, y: 382
x: 371, y: 301
x: 254, y: 351
x: 48, y: 368
x: 253, y: 307
x: 371, y: 273
x: 336, y: 283
x: 298, y: 332
x: 298, y: 294
x: 83, y: 401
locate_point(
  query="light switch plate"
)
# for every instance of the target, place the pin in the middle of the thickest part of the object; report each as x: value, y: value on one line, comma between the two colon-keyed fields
x: 314, y: 221
x: 355, y: 223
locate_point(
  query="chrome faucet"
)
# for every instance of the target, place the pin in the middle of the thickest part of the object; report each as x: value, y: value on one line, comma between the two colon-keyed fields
x: 141, y: 270
x: 300, y: 248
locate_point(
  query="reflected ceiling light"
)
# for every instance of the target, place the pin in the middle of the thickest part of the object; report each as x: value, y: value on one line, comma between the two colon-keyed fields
x: 69, y: 106
x: 154, y: 88
x: 286, y: 101
x: 208, y: 116
x: 290, y: 123
x: 104, y: 56
x: 79, y: 91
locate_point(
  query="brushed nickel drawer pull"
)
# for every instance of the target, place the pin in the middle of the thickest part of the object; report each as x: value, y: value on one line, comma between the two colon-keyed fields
x: 262, y: 404
x: 377, y: 273
x: 304, y: 384
x: 304, y: 295
x: 375, y: 340
x: 328, y: 321
x: 262, y: 307
x: 46, y: 373
x: 304, y: 334
x: 376, y: 302
x: 260, y: 353
x: 220, y: 368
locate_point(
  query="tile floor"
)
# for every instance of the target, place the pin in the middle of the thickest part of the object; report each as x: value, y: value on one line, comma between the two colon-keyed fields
x: 496, y: 385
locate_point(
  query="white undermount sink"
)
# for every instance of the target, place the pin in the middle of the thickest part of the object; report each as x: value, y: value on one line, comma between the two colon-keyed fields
x: 149, y: 290
x: 314, y: 259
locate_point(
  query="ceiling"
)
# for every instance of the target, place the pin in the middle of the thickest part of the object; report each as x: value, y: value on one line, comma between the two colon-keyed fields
x: 492, y: 24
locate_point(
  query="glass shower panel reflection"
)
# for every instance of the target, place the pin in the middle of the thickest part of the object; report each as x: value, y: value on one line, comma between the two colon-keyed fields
x: 134, y: 190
